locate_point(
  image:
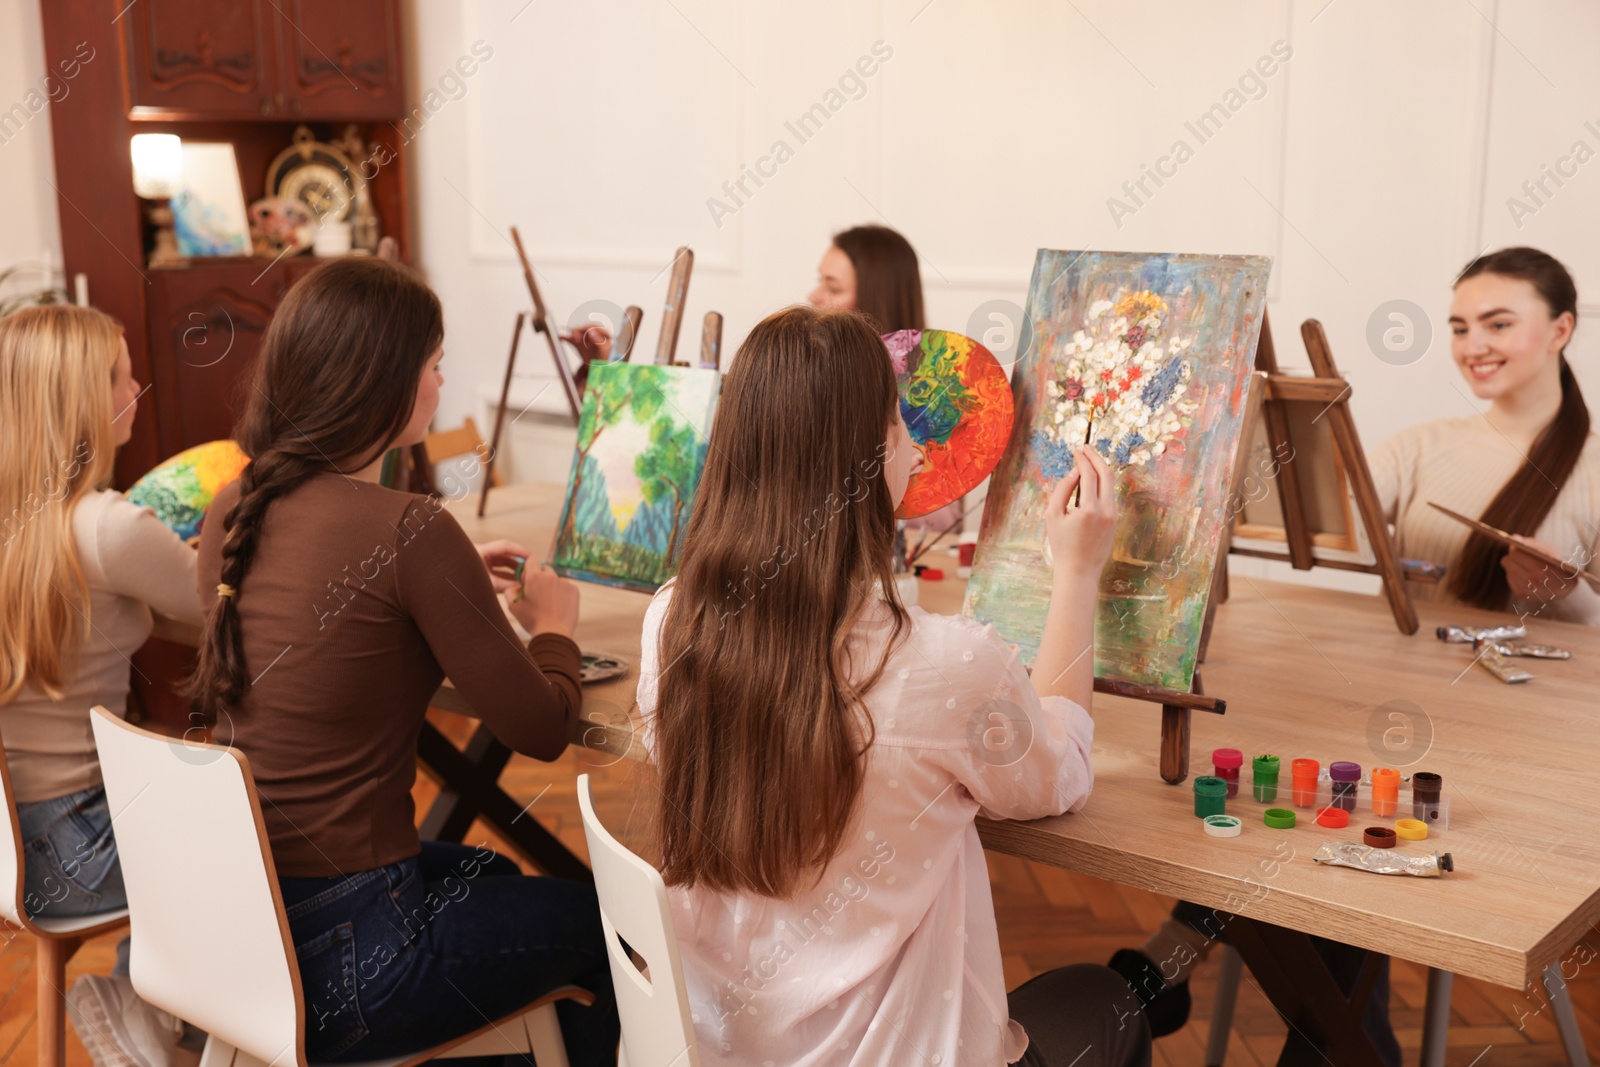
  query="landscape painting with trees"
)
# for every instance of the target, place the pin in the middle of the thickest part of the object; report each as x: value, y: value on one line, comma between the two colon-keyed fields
x: 642, y: 437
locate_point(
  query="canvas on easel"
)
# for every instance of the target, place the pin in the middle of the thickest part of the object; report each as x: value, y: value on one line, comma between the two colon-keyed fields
x: 641, y: 449
x: 1317, y: 504
x: 1148, y: 356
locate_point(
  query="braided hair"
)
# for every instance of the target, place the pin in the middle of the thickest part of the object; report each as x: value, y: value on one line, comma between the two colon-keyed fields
x: 333, y: 387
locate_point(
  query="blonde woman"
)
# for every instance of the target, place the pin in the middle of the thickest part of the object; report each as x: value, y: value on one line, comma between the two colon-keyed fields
x: 81, y: 570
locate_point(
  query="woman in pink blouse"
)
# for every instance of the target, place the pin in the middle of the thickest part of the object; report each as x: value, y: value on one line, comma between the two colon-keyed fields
x: 822, y: 751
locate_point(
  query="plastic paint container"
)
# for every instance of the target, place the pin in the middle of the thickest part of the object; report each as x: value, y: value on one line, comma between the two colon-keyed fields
x: 1346, y: 777
x: 1226, y: 763
x: 1303, y: 773
x: 1425, y: 796
x: 1385, y: 791
x: 1210, y: 796
x: 1265, y: 778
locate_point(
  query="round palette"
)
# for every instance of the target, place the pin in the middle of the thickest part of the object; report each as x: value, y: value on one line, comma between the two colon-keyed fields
x: 181, y: 489
x: 956, y: 403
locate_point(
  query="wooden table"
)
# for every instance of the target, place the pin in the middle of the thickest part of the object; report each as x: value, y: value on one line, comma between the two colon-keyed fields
x: 1305, y: 672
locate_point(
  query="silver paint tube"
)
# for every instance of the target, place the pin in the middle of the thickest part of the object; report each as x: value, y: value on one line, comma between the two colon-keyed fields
x: 1383, y: 860
x: 1467, y: 635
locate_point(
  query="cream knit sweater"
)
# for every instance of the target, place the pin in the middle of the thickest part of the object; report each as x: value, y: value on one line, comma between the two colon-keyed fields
x: 1462, y: 464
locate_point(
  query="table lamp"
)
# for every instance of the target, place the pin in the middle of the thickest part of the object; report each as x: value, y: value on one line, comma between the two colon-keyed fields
x: 157, y: 168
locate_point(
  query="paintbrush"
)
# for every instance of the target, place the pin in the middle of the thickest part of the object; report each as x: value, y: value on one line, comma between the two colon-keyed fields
x: 1508, y: 539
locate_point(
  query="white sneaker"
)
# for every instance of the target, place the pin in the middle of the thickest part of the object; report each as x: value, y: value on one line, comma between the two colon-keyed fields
x: 118, y: 1028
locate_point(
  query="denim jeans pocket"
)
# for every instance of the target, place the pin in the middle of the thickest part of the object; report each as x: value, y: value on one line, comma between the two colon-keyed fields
x: 330, y: 986
x: 71, y: 865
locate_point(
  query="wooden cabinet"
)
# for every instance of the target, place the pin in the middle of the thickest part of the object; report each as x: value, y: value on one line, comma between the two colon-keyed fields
x: 210, y: 322
x: 200, y: 56
x: 274, y: 59
x: 339, y: 60
x: 248, y: 72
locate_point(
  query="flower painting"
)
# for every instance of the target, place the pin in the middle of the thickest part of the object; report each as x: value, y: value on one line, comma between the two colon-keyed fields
x: 956, y: 404
x: 1146, y: 358
x: 642, y: 438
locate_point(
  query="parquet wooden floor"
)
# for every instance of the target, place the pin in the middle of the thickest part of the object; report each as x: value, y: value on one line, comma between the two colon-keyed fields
x: 1047, y: 917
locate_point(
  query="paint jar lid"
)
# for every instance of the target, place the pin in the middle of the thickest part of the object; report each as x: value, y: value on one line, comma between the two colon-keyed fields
x: 1209, y: 786
x: 1378, y: 836
x: 1224, y: 758
x: 1279, y: 818
x: 1411, y: 829
x: 1223, y: 826
x: 1267, y: 765
x: 1344, y: 771
x: 1335, y: 818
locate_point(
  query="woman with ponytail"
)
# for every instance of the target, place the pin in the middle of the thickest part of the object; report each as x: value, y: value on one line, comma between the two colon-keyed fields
x: 1528, y: 465
x: 336, y: 608
x: 81, y: 570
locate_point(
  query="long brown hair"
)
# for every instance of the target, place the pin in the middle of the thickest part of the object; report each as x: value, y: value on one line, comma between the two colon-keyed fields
x: 760, y: 729
x: 1524, y: 501
x: 58, y: 440
x: 888, y: 283
x: 334, y: 385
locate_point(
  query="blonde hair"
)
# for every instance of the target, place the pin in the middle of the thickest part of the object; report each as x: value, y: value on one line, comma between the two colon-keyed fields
x: 58, y: 441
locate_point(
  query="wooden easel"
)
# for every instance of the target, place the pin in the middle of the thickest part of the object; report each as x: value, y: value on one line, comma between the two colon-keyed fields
x: 1328, y: 389
x: 571, y: 384
x: 1177, y: 708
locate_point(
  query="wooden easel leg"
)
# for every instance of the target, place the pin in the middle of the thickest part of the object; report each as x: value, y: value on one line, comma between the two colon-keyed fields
x: 51, y: 969
x: 1174, y: 743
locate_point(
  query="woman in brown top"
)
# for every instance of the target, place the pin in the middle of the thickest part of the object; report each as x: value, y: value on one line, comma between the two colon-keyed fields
x: 337, y: 608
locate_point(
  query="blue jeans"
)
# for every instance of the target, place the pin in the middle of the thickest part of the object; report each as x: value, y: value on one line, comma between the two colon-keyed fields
x: 400, y: 958
x: 71, y: 866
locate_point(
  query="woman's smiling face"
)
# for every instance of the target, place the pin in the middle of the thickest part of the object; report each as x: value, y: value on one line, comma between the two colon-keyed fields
x: 1503, y: 335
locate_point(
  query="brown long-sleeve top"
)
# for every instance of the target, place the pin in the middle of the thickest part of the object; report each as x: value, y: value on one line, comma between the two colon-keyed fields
x: 359, y: 601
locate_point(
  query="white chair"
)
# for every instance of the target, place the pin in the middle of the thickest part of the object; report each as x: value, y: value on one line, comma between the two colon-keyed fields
x: 58, y: 939
x: 1435, y: 1017
x: 657, y: 1030
x: 211, y: 942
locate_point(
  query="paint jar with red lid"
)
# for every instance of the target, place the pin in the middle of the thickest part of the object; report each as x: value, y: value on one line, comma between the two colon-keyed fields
x: 1226, y: 763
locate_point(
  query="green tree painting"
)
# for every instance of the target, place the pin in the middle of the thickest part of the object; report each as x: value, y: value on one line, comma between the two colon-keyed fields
x: 641, y: 447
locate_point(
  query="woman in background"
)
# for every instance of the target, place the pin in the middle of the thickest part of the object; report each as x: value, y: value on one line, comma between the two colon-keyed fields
x: 873, y: 270
x: 1529, y: 465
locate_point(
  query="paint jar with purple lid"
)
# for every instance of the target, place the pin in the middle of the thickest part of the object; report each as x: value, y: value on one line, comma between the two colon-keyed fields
x: 1346, y: 779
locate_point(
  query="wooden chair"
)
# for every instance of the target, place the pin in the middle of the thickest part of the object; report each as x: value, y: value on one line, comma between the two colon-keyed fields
x: 58, y: 939
x: 211, y: 941
x: 464, y: 439
x: 657, y: 1030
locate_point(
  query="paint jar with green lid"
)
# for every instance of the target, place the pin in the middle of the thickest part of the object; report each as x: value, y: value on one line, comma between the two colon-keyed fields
x: 1265, y: 781
x: 1210, y: 796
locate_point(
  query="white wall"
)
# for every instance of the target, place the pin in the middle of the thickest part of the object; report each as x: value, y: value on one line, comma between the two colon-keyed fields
x: 1376, y: 161
x: 1372, y: 164
x: 30, y: 232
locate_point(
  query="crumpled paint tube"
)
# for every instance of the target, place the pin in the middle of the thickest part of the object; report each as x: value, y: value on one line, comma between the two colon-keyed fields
x: 1501, y: 667
x: 1533, y: 651
x: 1383, y: 860
x: 1468, y: 635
